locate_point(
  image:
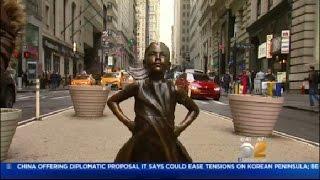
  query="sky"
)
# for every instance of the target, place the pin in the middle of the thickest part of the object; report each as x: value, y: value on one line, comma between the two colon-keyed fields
x: 166, y: 21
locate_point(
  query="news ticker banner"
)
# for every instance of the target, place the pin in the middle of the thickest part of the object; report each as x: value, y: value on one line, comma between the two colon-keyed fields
x: 168, y: 170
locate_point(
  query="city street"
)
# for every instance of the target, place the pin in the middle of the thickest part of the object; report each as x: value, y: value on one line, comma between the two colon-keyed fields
x: 50, y: 101
x: 64, y: 137
x: 298, y: 123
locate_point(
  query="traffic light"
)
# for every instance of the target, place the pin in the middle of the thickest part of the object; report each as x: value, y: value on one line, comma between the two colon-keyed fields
x: 26, y: 55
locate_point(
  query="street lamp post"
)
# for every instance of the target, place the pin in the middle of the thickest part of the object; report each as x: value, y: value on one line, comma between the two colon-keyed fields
x: 74, y: 49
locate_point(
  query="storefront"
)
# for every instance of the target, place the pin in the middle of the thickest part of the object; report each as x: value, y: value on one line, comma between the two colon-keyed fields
x: 269, y: 36
x: 30, y: 52
x: 60, y: 58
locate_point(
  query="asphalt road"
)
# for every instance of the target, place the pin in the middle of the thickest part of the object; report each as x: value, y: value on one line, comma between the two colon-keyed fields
x: 298, y: 123
x: 50, y: 101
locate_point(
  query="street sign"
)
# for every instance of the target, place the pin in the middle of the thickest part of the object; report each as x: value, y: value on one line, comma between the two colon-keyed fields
x: 269, y: 46
x: 262, y: 50
x: 110, y: 60
x: 285, y: 41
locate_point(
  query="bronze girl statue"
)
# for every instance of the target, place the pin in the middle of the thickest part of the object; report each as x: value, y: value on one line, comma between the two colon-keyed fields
x: 154, y: 133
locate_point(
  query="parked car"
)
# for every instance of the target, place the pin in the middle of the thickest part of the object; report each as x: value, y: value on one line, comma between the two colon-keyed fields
x: 83, y: 79
x: 8, y: 90
x: 113, y: 79
x: 198, y: 85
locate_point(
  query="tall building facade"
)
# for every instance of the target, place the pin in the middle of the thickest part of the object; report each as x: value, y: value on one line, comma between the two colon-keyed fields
x: 148, y: 26
x: 281, y: 35
x: 141, y: 30
x: 65, y: 36
x: 153, y: 21
x: 206, y: 35
x: 181, y: 32
x: 126, y: 33
x: 194, y: 34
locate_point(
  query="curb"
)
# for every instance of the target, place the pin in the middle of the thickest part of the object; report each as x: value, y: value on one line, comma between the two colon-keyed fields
x: 302, y: 109
x: 24, y: 122
x: 42, y: 90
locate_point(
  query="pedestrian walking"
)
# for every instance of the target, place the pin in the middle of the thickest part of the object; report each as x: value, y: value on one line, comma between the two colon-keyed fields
x: 24, y: 79
x: 313, y: 79
x: 226, y: 79
x: 52, y: 80
x: 59, y: 80
x: 252, y: 76
x: 269, y: 76
x: 244, y: 81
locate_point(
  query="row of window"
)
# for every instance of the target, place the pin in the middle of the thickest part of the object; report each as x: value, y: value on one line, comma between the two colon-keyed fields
x: 185, y: 30
x: 185, y: 39
x: 186, y: 6
x: 184, y: 48
x: 259, y: 5
x: 185, y: 14
x: 65, y: 23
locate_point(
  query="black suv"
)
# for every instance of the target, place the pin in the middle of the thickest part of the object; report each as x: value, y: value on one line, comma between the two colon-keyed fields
x: 8, y: 90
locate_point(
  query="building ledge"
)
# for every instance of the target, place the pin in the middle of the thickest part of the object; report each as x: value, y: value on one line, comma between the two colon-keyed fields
x: 277, y: 11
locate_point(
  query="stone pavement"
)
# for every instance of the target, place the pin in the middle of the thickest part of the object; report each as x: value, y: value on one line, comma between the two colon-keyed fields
x: 66, y: 138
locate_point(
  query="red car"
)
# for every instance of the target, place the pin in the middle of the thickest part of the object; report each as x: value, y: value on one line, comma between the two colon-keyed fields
x: 198, y: 85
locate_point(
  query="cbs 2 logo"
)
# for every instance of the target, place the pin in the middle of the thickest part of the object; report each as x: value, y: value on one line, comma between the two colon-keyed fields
x: 258, y: 151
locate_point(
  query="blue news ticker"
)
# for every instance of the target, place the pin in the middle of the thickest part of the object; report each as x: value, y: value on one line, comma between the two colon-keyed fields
x: 162, y: 170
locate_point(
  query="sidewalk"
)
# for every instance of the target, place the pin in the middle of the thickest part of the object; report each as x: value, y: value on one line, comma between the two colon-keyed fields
x: 66, y: 138
x: 299, y: 101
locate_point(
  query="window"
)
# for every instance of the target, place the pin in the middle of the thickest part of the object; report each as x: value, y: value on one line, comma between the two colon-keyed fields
x: 56, y: 63
x: 33, y: 6
x: 64, y: 18
x: 151, y: 8
x: 54, y: 17
x: 184, y: 6
x: 47, y: 16
x: 104, y: 17
x: 258, y: 8
x: 66, y: 66
x: 270, y: 3
x: 73, y: 11
x: 184, y: 14
x: 232, y: 26
x: 47, y: 60
x: 183, y: 30
x: 184, y: 22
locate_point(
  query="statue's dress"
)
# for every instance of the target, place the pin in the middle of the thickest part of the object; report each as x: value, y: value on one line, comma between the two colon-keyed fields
x: 153, y: 138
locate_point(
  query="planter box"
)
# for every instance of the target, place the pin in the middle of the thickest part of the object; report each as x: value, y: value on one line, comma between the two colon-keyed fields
x: 254, y: 115
x: 9, y: 122
x: 89, y: 101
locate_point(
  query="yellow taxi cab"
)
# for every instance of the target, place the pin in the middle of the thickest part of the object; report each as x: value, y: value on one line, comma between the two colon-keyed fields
x: 83, y: 80
x: 126, y: 79
x: 112, y: 78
